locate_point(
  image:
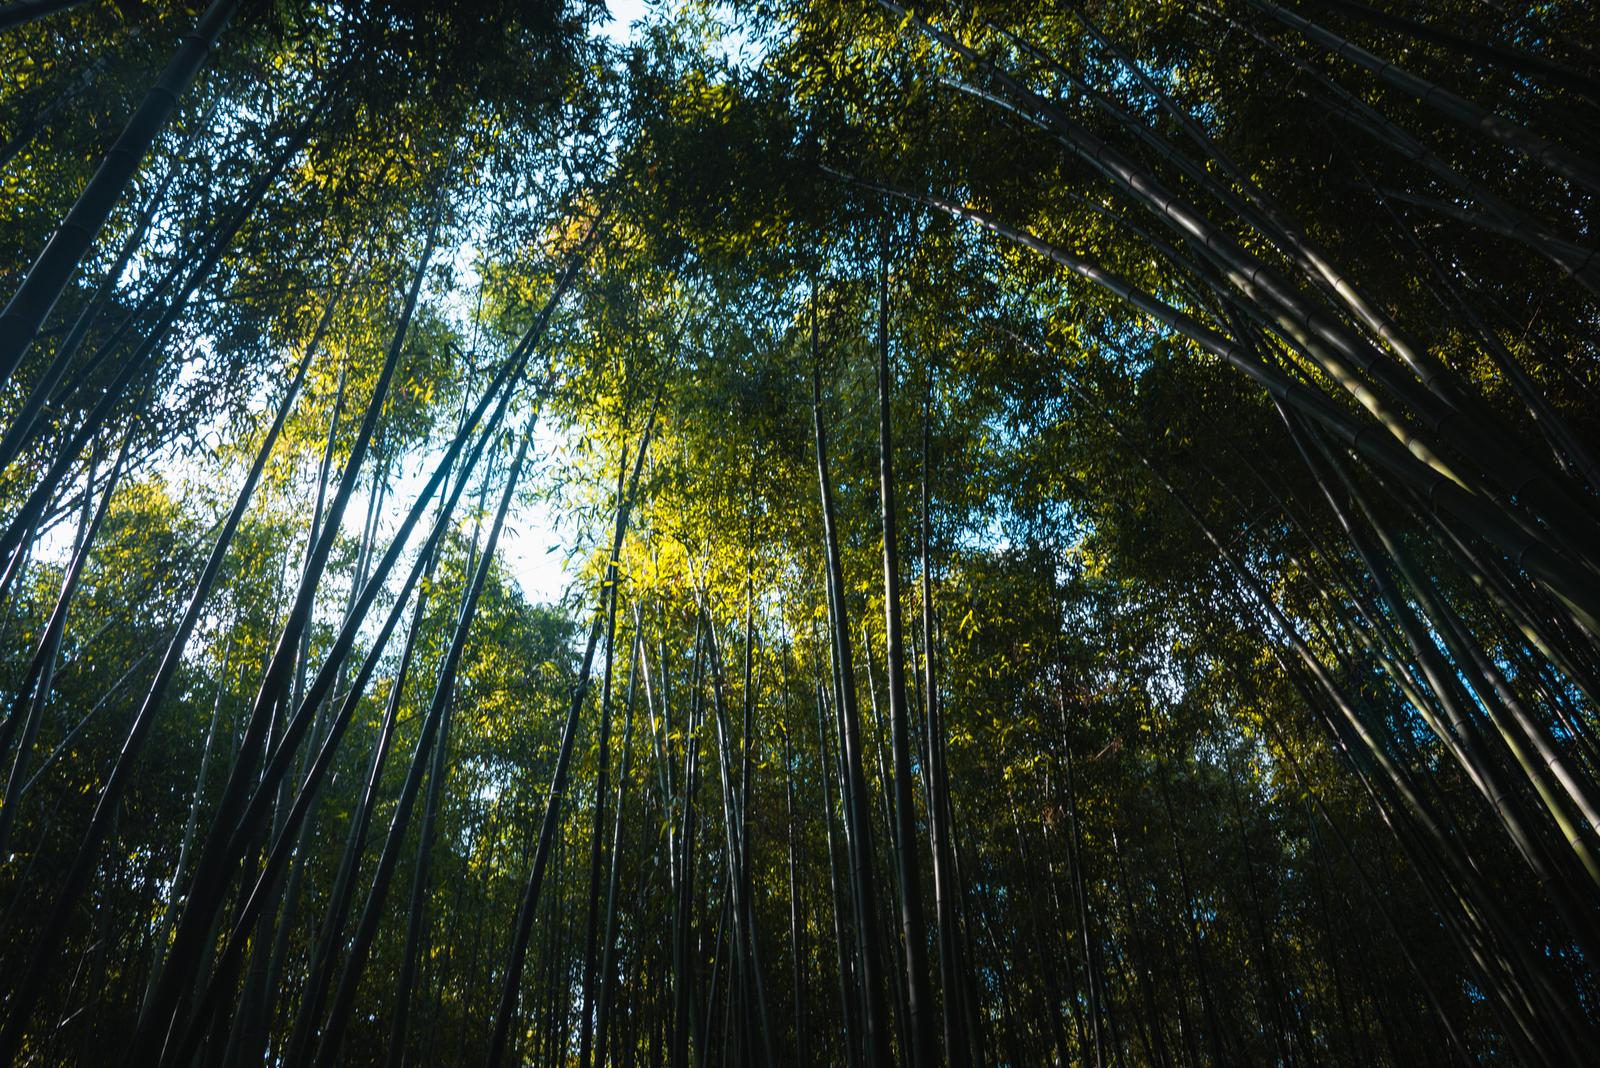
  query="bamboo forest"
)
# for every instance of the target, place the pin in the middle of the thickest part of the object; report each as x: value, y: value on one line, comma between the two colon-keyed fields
x: 800, y: 532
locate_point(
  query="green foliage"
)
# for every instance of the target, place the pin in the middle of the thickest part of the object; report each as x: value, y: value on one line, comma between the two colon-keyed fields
x: 1249, y: 749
